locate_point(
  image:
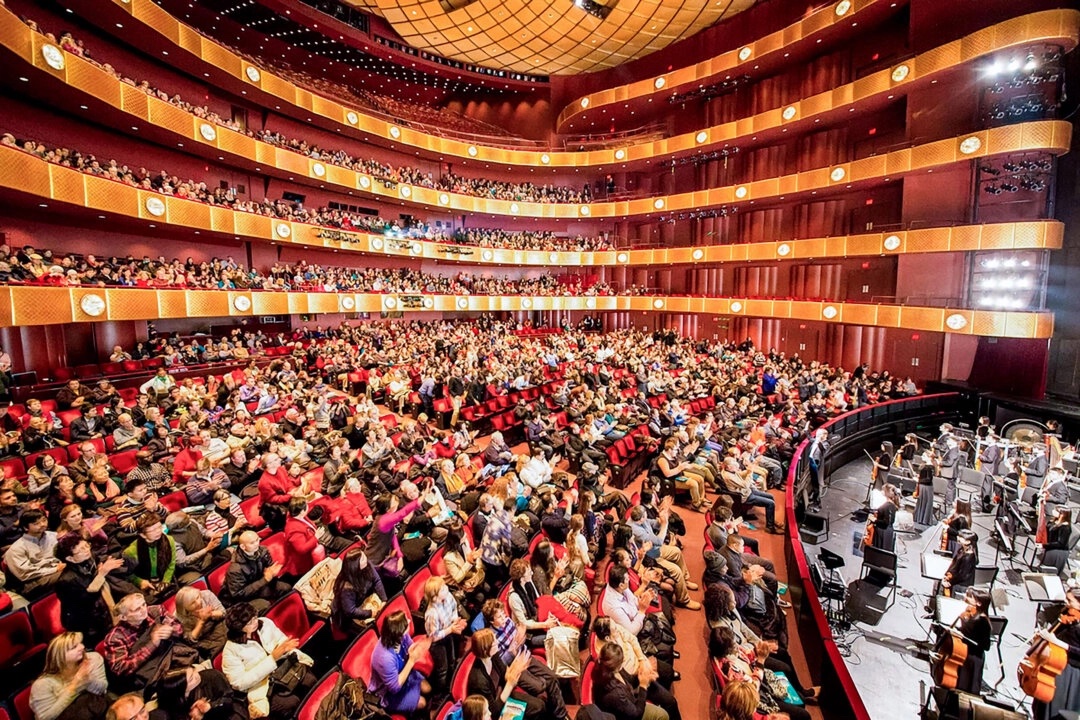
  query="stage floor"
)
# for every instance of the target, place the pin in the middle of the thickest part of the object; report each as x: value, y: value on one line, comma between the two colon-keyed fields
x: 883, y: 644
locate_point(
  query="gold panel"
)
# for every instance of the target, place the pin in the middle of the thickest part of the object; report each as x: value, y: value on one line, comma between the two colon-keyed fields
x: 856, y: 314
x: 232, y: 302
x: 134, y: 101
x: 69, y: 186
x: 252, y: 225
x: 207, y: 303
x: 298, y: 303
x: 804, y: 310
x: 7, y: 309
x: 189, y: 214
x: 237, y: 144
x: 988, y: 324
x: 131, y: 303
x: 113, y: 197
x: 87, y: 77
x: 917, y: 318
x: 858, y: 245
x: 1021, y: 325
x: 757, y: 308
x: 40, y: 306
x: 888, y: 315
x: 173, y: 303
x: 322, y: 303
x: 269, y: 303
x: 25, y: 172
x: 221, y: 220
x: 170, y: 117
x: 963, y: 239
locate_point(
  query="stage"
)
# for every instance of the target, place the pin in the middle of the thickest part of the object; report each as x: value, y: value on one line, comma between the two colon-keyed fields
x: 885, y: 648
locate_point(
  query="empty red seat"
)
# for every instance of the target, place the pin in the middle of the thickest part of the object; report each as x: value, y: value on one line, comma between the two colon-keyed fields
x: 291, y: 617
x: 174, y: 501
x: 46, y: 616
x: 17, y: 643
x: 586, y: 683
x: 91, y: 370
x: 68, y: 416
x: 123, y: 462
x: 132, y: 366
x: 12, y: 468
x: 414, y: 589
x: 459, y: 687
x: 63, y: 374
x: 216, y: 579
x: 276, y: 545
x: 22, y: 705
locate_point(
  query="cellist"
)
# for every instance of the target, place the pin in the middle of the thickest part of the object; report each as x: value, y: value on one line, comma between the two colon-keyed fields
x: 974, y: 626
x: 1067, y: 684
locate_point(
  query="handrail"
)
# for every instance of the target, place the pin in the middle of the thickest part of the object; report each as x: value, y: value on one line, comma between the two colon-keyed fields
x: 835, y: 677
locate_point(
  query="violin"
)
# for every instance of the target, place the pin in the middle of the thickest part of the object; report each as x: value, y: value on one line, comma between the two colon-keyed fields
x: 1044, y: 660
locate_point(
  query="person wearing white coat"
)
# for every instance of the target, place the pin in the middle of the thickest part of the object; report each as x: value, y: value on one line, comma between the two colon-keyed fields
x: 255, y: 648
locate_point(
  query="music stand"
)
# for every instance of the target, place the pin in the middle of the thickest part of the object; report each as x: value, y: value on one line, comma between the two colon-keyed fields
x: 947, y: 610
x: 1043, y: 588
x: 934, y: 566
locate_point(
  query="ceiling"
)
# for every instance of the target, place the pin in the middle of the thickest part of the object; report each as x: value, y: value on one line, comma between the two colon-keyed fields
x: 548, y: 37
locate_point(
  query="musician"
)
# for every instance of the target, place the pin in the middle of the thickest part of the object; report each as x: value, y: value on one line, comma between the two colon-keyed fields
x: 817, y: 455
x: 924, y: 505
x: 1035, y: 468
x: 1058, y: 533
x: 883, y: 518
x: 974, y: 626
x: 882, y: 463
x: 910, y: 448
x: 946, y: 433
x: 960, y: 519
x: 1067, y: 684
x: 961, y: 572
x: 1054, y: 451
x: 992, y: 455
x: 984, y: 428
x: 1055, y: 491
x: 950, y: 468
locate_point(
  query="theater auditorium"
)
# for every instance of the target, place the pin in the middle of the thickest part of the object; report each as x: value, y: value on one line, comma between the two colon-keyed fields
x: 521, y: 360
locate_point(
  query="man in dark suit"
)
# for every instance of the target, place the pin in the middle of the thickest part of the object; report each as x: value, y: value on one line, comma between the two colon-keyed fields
x: 736, y: 557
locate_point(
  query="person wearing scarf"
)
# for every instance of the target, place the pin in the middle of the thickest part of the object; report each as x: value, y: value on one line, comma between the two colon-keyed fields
x: 152, y: 557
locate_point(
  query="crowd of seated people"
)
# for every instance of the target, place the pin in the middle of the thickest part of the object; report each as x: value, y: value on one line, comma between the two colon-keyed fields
x: 263, y: 476
x: 529, y: 240
x: 189, y: 189
x: 31, y: 266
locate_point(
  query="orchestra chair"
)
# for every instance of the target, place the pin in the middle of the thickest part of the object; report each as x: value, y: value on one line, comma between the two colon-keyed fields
x: 985, y: 577
x: 881, y: 564
x: 997, y: 632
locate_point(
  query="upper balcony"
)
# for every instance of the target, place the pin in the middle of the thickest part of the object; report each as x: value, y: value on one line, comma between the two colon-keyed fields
x: 245, y: 76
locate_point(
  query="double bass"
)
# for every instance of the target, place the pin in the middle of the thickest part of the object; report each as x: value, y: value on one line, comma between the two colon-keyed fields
x: 1044, y: 660
x: 949, y: 656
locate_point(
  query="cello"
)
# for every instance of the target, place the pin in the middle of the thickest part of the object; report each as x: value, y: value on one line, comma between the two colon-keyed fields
x: 1044, y: 660
x: 950, y: 655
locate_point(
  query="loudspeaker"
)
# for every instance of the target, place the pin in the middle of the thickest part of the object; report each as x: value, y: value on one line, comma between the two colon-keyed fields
x: 814, y: 528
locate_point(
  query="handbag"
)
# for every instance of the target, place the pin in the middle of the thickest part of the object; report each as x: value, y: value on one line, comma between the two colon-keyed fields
x: 561, y: 649
x: 288, y: 674
x: 373, y: 604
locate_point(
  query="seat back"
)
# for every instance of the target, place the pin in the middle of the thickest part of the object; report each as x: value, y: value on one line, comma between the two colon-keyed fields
x: 414, y: 589
x: 290, y: 615
x: 878, y: 559
x: 174, y: 501
x: 216, y: 579
x: 46, y: 616
x: 586, y: 682
x: 986, y: 575
x: 123, y: 462
x: 12, y: 468
x: 16, y: 638
x: 276, y: 545
x: 459, y: 688
x: 437, y: 565
x: 310, y: 706
x: 356, y: 663
x: 398, y: 602
x: 21, y: 705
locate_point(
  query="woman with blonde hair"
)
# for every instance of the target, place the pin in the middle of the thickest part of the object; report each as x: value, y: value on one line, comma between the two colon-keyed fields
x: 443, y: 624
x: 73, y: 684
x: 739, y: 701
x: 202, y: 616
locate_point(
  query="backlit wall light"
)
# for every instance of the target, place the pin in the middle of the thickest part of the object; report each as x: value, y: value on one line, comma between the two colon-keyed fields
x: 892, y: 242
x: 701, y: 137
x: 658, y: 204
x: 462, y: 303
x: 900, y: 73
x: 584, y: 210
x: 623, y: 257
x: 514, y: 208
x: 744, y: 54
x: 377, y: 244
x: 283, y: 230
x: 590, y: 302
x: 365, y: 182
x: 472, y: 151
x: 783, y: 250
x: 842, y: 8
x: 584, y: 102
x: 319, y: 170
x: 155, y: 206
x: 395, y: 132
x: 698, y: 254
x: 659, y: 83
x: 405, y: 191
x: 829, y: 312
x: 956, y: 321
x: 487, y: 255
x: 620, y: 154
x: 789, y: 112
x: 736, y: 306
x: 444, y: 199
x: 526, y: 303
x: 970, y: 145
x: 252, y: 73
x: 545, y: 158
x: 352, y: 117
x: 208, y: 132
x: 429, y: 303
x: 390, y: 302
x: 348, y: 303
x: 417, y: 248
x: 658, y: 303
x: 740, y: 192
x: 837, y: 174
x: 553, y: 257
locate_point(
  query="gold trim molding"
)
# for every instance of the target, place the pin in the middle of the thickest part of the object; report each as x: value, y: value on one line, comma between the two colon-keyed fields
x: 25, y: 305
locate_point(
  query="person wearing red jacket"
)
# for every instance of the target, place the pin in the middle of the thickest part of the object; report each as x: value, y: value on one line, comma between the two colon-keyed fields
x: 303, y: 550
x: 276, y: 489
x: 351, y: 513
